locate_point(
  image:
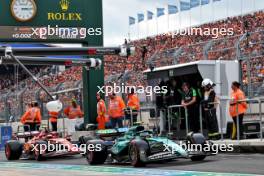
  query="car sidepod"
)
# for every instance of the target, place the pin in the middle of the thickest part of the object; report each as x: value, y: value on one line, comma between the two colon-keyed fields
x: 164, y: 149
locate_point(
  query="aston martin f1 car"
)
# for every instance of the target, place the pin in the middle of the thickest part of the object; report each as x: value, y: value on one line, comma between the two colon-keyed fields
x: 39, y: 145
x: 139, y: 147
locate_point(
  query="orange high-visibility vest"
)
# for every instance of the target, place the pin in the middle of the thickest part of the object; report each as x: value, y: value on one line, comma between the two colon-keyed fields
x: 101, y: 110
x: 133, y: 102
x: 73, y: 113
x: 53, y: 116
x: 32, y: 115
x: 240, y: 108
x: 116, y: 107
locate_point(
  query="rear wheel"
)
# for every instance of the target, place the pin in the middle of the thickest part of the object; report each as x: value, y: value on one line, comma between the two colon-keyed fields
x: 13, y: 150
x: 197, y: 138
x: 96, y: 157
x: 41, y: 147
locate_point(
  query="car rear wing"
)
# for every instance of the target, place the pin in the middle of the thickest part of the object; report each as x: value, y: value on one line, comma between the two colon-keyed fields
x: 111, y: 132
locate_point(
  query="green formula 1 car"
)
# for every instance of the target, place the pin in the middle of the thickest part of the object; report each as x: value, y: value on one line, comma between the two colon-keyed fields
x: 139, y: 147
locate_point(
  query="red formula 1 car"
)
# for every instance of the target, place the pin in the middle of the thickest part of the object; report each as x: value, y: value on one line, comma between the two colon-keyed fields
x: 39, y: 145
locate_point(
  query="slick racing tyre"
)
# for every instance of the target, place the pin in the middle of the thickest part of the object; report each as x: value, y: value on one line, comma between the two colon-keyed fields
x: 197, y: 138
x: 13, y: 150
x: 40, y: 149
x: 96, y: 157
x: 136, y: 150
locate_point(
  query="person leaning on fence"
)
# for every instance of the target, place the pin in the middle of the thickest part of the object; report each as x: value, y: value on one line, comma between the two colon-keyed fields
x: 116, y: 110
x: 32, y: 118
x: 237, y: 108
x: 190, y: 103
x: 73, y: 112
x: 133, y: 104
x: 209, y: 108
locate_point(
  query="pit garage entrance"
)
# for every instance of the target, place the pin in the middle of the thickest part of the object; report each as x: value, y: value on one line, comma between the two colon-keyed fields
x: 222, y: 73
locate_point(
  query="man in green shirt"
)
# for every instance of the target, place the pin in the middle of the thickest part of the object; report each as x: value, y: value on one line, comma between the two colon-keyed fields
x: 189, y: 101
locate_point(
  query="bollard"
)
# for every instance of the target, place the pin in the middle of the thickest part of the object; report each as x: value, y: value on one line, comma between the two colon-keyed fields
x: 221, y: 122
x: 201, y: 119
x: 131, y: 117
x: 186, y: 121
x: 260, y: 116
x: 237, y: 120
x: 169, y: 119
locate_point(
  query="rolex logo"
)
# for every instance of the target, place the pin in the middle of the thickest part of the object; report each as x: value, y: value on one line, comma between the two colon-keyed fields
x: 64, y: 5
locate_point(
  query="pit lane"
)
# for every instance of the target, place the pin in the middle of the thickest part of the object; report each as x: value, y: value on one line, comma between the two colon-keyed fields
x: 237, y: 164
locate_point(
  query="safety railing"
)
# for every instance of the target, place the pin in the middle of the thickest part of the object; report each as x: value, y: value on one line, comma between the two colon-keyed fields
x: 218, y: 104
x: 129, y: 112
x: 248, y: 101
x: 148, y: 109
x: 169, y: 110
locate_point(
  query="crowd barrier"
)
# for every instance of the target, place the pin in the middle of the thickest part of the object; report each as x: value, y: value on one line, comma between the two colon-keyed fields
x: 218, y: 103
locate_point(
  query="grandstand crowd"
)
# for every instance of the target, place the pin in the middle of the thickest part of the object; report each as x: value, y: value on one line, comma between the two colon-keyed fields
x: 161, y: 49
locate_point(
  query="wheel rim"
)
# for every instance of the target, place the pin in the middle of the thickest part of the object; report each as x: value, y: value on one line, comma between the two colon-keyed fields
x: 7, y: 152
x: 133, y: 154
x: 89, y: 156
x: 37, y: 153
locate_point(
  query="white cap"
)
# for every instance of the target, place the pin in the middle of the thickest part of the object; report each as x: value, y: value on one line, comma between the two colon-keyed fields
x: 207, y: 82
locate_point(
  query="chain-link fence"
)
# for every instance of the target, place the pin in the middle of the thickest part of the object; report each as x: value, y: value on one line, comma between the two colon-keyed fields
x: 15, y: 102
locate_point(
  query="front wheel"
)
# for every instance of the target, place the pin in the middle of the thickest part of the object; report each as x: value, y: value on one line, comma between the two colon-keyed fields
x: 134, y: 154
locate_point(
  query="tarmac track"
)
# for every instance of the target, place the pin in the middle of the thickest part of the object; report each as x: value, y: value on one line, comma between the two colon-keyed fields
x: 222, y: 164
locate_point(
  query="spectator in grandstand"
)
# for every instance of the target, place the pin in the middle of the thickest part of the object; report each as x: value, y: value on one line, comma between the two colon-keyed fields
x: 189, y: 102
x: 32, y: 118
x: 209, y: 108
x: 237, y: 108
x: 73, y: 112
x: 116, y: 110
x: 133, y: 104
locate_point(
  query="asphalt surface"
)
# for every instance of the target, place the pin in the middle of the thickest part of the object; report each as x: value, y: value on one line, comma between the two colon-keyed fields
x: 77, y: 165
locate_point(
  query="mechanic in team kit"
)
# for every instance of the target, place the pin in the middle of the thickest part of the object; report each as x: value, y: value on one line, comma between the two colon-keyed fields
x: 173, y: 97
x: 116, y: 110
x: 190, y: 103
x: 32, y: 118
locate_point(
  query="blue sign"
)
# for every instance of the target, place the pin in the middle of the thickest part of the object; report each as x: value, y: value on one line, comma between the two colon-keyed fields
x: 5, y: 135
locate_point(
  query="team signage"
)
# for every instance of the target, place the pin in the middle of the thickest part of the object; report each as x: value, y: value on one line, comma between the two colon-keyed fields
x: 64, y: 20
x: 64, y: 15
